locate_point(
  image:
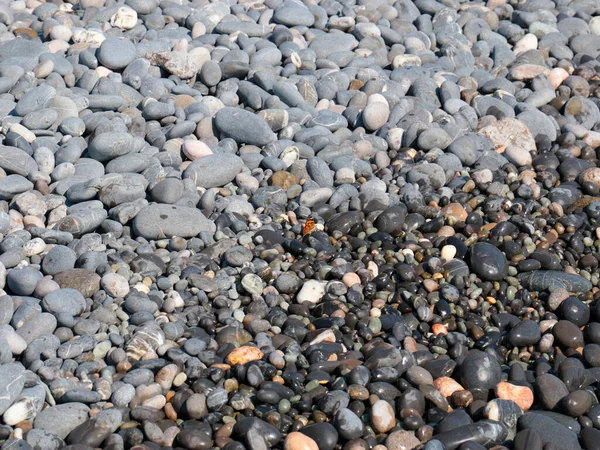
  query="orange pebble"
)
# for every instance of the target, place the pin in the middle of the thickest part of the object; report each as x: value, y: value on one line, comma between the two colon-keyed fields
x: 447, y: 386
x: 243, y: 355
x: 521, y: 395
x: 438, y: 328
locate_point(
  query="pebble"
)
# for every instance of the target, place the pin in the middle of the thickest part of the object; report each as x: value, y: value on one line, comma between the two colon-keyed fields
x: 299, y: 441
x: 160, y: 169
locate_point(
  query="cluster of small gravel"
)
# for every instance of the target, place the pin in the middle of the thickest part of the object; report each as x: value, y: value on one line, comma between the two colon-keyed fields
x: 160, y: 287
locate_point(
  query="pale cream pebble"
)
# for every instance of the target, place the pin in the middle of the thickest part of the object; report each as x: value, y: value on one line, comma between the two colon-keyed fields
x: 125, y: 18
x: 157, y: 402
x: 33, y: 221
x: 448, y: 252
x: 557, y: 76
x: 373, y: 268
x: 526, y: 43
x: 325, y: 336
x: 90, y: 37
x: 200, y: 55
x: 377, y: 98
x: 406, y: 61
x: 16, y: 220
x: 103, y: 71
x: 199, y: 29
x: 56, y: 215
x: 323, y: 104
x: 58, y: 46
x: 195, y: 149
x: 141, y: 288
x: 43, y: 69
x: 34, y: 247
x: 592, y: 138
x: 26, y: 134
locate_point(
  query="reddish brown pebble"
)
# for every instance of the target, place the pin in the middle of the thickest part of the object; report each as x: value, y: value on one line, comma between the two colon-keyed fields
x: 462, y: 399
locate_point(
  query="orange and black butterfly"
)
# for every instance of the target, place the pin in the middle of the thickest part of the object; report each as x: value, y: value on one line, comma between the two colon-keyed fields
x: 309, y: 226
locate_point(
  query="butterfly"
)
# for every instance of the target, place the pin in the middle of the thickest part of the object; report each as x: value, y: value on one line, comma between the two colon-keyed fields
x: 309, y: 226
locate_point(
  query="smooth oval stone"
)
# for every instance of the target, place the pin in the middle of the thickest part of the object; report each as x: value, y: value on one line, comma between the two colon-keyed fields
x: 348, y: 424
x: 550, y: 390
x: 116, y: 53
x: 479, y: 370
x: 214, y: 170
x: 107, y: 146
x: 488, y: 262
x: 541, y: 280
x: 550, y: 431
x: 525, y: 333
x: 577, y: 403
x: 528, y: 440
x: 324, y: 434
x: 62, y: 419
x: 68, y: 301
x: 484, y: 432
x: 12, y: 185
x: 159, y: 221
x: 567, y: 334
x: 244, y: 127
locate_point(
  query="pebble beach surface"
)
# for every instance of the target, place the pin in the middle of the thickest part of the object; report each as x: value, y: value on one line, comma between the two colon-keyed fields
x: 159, y: 287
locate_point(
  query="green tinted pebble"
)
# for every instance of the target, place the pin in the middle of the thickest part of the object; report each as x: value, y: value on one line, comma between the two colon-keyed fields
x: 462, y: 327
x: 588, y: 242
x: 470, y: 241
x: 476, y: 293
x: 439, y: 350
x: 284, y: 406
x: 511, y: 291
x: 485, y: 307
x: 594, y: 279
x: 361, y: 235
x: 108, y: 372
x: 411, y: 237
x: 245, y: 239
x: 102, y: 349
x: 382, y: 295
x: 311, y: 252
x: 585, y: 274
x: 311, y: 385
x: 512, y: 281
x: 371, y: 230
x: 362, y: 250
x: 375, y: 325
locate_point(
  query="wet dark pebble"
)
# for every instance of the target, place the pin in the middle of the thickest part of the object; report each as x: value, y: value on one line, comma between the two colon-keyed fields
x: 299, y: 225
